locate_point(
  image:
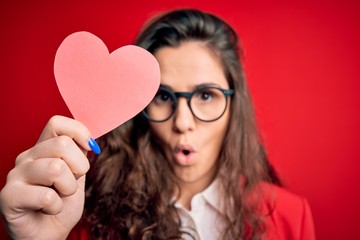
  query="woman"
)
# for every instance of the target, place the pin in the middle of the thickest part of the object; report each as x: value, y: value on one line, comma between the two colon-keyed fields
x: 190, y: 166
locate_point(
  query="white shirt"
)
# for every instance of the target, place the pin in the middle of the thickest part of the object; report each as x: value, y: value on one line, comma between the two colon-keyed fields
x: 204, y: 221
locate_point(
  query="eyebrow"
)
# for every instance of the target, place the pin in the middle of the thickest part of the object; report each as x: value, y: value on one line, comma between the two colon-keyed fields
x: 195, y: 86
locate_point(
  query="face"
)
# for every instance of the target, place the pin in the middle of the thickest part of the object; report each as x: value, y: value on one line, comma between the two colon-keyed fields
x: 192, y: 146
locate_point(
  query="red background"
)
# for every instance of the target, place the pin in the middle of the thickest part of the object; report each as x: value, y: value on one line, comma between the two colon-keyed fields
x: 302, y: 64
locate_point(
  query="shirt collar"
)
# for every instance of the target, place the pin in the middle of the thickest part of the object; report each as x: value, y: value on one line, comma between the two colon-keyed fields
x: 213, y: 195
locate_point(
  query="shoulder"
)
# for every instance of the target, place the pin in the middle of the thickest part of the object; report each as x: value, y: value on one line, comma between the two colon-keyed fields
x: 287, y: 215
x: 80, y: 232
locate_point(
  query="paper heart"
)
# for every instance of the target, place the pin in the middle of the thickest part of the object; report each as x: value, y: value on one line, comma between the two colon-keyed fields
x: 104, y: 90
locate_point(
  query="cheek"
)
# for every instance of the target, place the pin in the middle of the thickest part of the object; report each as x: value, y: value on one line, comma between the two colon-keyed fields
x: 161, y: 130
x: 216, y: 132
x: 223, y: 128
x: 223, y: 124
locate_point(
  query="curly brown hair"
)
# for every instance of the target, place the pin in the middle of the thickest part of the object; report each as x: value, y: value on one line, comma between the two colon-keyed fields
x: 131, y: 185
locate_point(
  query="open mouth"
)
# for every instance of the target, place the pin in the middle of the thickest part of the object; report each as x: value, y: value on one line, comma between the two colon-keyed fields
x: 184, y: 150
x: 184, y: 154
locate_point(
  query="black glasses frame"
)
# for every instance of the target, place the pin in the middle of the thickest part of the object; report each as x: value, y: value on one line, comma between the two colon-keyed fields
x: 188, y: 96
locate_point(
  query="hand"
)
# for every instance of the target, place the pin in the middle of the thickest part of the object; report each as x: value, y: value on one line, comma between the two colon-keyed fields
x: 43, y: 197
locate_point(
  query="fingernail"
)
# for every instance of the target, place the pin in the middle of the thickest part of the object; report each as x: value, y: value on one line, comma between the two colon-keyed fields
x: 94, y: 146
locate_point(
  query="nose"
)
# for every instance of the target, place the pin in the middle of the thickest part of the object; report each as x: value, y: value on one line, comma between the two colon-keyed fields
x: 183, y: 118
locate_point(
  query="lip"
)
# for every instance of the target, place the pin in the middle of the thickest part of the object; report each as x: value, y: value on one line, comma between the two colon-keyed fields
x: 184, y: 154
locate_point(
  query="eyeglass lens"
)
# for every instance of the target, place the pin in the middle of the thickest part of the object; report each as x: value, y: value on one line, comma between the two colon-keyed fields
x: 207, y: 104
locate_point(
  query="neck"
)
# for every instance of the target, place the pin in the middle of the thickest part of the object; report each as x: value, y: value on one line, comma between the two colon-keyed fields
x: 189, y: 189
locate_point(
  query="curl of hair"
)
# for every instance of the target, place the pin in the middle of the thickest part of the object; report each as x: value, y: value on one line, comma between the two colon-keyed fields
x: 131, y: 184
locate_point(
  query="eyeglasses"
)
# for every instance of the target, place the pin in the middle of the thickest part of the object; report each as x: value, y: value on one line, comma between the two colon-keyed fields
x: 207, y: 103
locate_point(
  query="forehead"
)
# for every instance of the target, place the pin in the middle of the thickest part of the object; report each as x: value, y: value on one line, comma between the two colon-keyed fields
x: 189, y: 65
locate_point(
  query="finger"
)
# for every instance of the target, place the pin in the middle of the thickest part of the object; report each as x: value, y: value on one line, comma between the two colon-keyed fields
x: 62, y: 147
x: 59, y: 125
x: 50, y: 172
x: 22, y: 197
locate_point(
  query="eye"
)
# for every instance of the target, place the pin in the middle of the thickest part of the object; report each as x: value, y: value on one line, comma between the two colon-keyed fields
x: 162, y: 96
x: 205, y: 95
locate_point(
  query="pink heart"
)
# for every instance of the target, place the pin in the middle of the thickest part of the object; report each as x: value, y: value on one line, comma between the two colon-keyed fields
x: 104, y: 90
